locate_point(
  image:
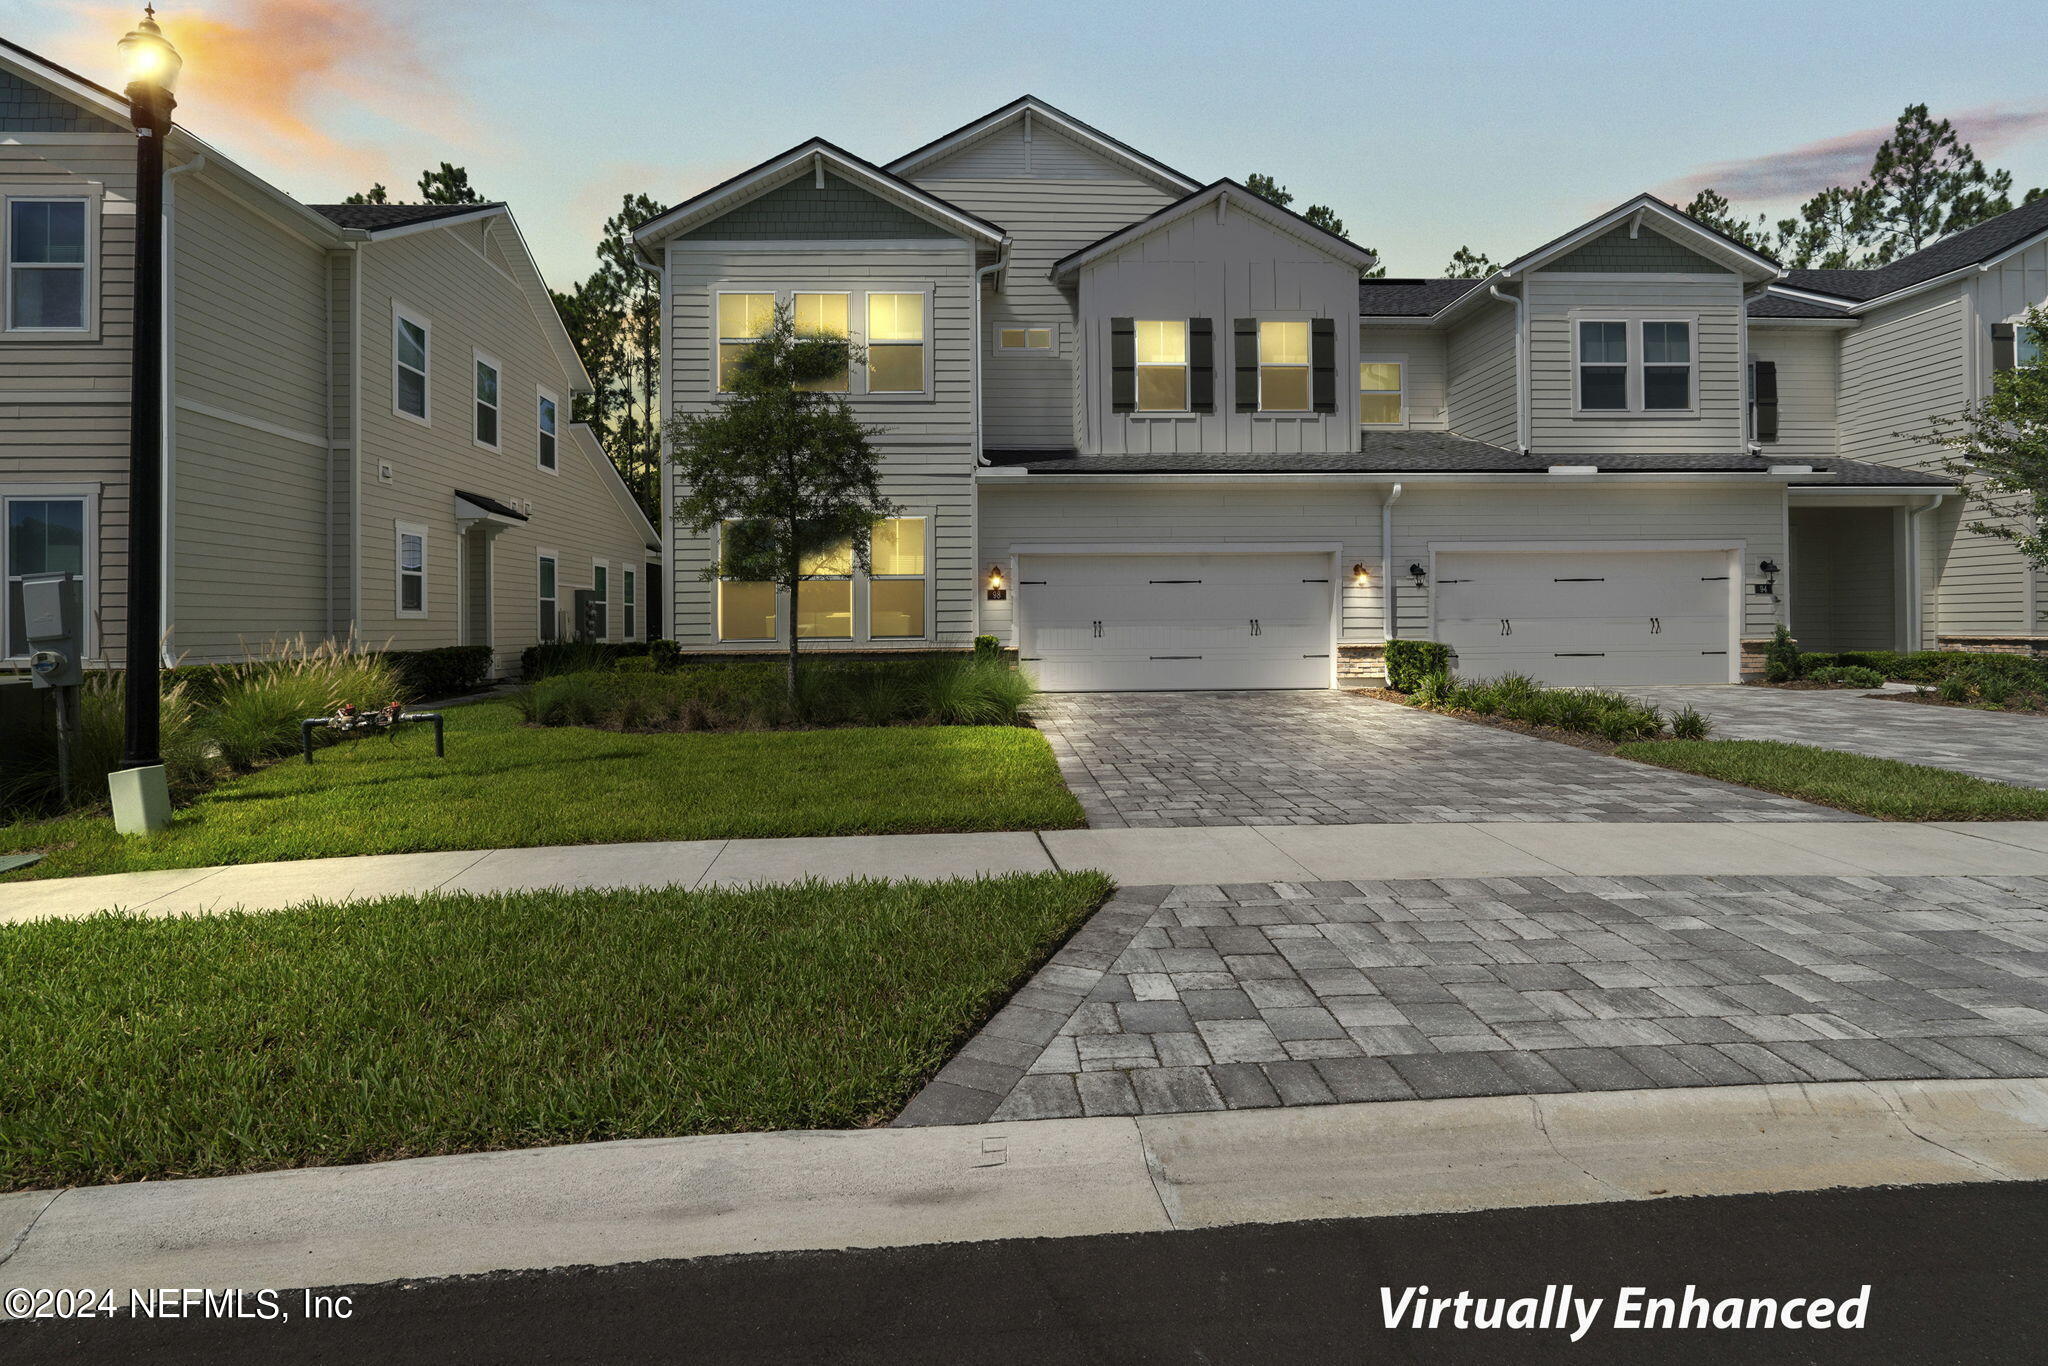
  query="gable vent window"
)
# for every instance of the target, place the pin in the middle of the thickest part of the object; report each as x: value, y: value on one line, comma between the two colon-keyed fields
x: 1024, y: 339
x: 1283, y: 366
x: 896, y: 336
x: 1162, y: 361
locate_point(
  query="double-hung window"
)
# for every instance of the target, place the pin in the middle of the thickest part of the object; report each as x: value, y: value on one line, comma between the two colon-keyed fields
x: 40, y: 535
x: 1162, y: 364
x: 631, y: 623
x: 1380, y: 392
x: 48, y: 270
x: 742, y: 320
x: 550, y: 601
x: 486, y: 402
x: 896, y: 579
x: 822, y: 315
x: 1667, y: 366
x: 1283, y: 366
x: 411, y: 339
x: 412, y: 570
x: 548, y: 420
x: 746, y: 609
x: 1635, y: 365
x: 1603, y: 366
x: 896, y: 343
x: 824, y: 600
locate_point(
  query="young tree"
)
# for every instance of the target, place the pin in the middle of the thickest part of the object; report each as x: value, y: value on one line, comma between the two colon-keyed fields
x: 1711, y: 208
x: 2000, y: 445
x: 1925, y: 183
x: 781, y: 467
x: 614, y: 317
x: 1467, y: 264
x: 447, y: 185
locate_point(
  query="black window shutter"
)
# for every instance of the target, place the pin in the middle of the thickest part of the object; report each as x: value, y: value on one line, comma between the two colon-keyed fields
x: 1201, y: 365
x: 1764, y: 392
x: 2002, y: 352
x: 1123, y: 365
x: 1246, y: 332
x: 1322, y: 359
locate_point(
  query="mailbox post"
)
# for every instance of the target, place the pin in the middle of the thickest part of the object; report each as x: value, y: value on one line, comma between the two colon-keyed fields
x: 53, y: 611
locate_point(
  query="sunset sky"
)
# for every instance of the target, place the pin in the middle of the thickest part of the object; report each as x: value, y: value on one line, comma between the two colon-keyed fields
x: 1424, y: 126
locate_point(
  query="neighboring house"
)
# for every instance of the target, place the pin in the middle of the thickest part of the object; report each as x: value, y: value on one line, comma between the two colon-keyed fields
x: 1159, y: 434
x: 367, y: 408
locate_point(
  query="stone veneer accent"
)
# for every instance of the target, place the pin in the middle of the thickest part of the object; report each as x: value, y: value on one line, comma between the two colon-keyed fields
x: 2036, y: 646
x: 1361, y: 666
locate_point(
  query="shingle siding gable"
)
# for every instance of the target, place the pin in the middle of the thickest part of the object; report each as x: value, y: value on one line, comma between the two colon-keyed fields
x: 28, y: 108
x: 1648, y: 252
x: 799, y: 211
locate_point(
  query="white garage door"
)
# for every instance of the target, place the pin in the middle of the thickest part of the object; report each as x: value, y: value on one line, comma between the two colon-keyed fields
x: 1145, y: 623
x: 1587, y: 617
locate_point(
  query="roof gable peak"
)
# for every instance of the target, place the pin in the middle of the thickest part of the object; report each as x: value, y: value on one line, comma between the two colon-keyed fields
x: 1030, y: 107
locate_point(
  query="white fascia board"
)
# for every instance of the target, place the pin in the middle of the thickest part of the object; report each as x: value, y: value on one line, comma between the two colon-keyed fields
x: 1756, y: 263
x: 1243, y: 200
x: 990, y: 123
x: 1825, y: 324
x: 1028, y: 480
x: 452, y: 220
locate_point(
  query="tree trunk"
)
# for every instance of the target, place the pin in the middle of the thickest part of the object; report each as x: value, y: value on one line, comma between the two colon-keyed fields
x: 795, y: 585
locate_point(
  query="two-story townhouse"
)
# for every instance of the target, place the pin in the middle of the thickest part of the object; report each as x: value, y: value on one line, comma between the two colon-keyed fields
x: 1190, y: 447
x: 367, y: 425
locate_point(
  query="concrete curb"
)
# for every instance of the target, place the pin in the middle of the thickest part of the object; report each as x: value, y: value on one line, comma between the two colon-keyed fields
x: 614, y: 1203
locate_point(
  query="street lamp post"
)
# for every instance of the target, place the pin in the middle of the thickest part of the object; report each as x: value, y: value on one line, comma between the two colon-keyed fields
x: 140, y: 792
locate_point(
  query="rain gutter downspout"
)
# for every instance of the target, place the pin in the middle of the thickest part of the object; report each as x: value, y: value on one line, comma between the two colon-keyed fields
x: 1390, y: 623
x: 1915, y: 612
x: 1521, y: 365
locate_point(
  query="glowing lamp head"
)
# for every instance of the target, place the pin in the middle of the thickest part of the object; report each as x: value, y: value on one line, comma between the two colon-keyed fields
x: 148, y: 56
x: 995, y: 576
x: 1359, y: 576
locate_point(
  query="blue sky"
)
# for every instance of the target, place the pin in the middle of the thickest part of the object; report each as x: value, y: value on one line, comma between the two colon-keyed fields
x: 1424, y: 126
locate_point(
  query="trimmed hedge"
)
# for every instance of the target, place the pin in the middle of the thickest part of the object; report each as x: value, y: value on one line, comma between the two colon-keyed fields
x: 449, y: 671
x: 1411, y: 661
x: 580, y: 656
x: 1935, y: 666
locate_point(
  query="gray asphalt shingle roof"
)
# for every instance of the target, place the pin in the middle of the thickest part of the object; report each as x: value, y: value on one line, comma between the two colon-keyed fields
x: 1410, y: 298
x: 1969, y: 247
x: 377, y: 217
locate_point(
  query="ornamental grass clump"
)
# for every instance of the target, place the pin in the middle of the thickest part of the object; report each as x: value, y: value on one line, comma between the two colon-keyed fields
x: 28, y: 781
x: 256, y: 713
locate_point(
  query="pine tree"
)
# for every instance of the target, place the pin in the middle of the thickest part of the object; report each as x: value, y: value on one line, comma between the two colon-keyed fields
x: 1322, y: 215
x: 1831, y: 232
x: 1926, y: 183
x: 1711, y: 208
x: 1467, y: 264
x: 376, y: 194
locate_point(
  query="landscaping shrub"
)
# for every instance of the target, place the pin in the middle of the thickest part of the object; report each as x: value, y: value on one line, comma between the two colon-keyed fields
x: 666, y: 654
x: 1846, y: 676
x: 1886, y: 662
x: 1954, y: 688
x: 987, y: 648
x: 1781, y: 657
x: 1409, y: 661
x: 256, y: 714
x: 576, y: 656
x: 750, y: 695
x: 449, y: 671
x: 30, y: 780
x: 1687, y: 723
x: 1432, y: 689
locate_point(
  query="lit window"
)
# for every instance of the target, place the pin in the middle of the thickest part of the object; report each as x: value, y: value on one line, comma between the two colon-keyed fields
x: 486, y: 402
x: 601, y: 592
x: 549, y: 417
x: 1024, y: 339
x: 1162, y: 352
x: 1283, y: 366
x: 742, y: 319
x: 631, y: 622
x: 1603, y: 366
x: 824, y: 600
x: 896, y: 582
x: 46, y: 265
x: 549, y: 621
x: 746, y: 609
x: 822, y: 315
x: 895, y: 343
x: 40, y: 536
x: 412, y: 570
x: 409, y: 358
x: 1379, y: 393
x: 1667, y: 366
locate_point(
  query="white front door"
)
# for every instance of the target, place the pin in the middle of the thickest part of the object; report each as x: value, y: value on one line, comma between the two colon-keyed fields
x: 1588, y: 617
x: 1159, y: 623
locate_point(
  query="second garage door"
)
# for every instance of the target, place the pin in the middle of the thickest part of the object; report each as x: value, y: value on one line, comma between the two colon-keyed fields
x: 1159, y: 623
x: 1588, y: 617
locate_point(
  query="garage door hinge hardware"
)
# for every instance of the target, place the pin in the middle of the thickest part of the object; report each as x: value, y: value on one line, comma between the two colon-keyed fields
x: 1039, y: 582
x: 1600, y: 580
x: 1315, y: 656
x: 1713, y: 652
x: 1176, y: 656
x: 1580, y: 654
x: 1444, y: 581
x: 1315, y: 580
x: 1714, y: 578
x: 1173, y: 581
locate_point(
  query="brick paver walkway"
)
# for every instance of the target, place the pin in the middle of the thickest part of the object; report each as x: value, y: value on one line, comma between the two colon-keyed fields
x: 1335, y: 758
x: 1202, y: 998
x: 2006, y: 749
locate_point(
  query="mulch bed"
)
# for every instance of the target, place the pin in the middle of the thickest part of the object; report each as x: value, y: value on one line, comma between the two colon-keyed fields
x: 1930, y: 699
x: 1563, y: 737
x: 1807, y: 685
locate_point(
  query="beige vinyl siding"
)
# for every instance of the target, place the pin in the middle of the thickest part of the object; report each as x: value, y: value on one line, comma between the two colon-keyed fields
x: 64, y: 402
x: 1005, y: 154
x: 1809, y: 375
x: 343, y: 341
x: 445, y: 277
x: 1425, y: 379
x: 1479, y: 387
x: 249, y: 474
x: 1189, y: 516
x: 927, y: 441
x: 2007, y: 291
x: 1717, y: 423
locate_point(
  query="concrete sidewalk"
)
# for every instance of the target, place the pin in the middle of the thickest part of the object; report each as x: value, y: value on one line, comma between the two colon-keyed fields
x: 608, y: 1204
x: 1183, y: 856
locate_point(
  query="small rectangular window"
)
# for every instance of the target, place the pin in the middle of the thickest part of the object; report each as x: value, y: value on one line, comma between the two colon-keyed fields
x: 1379, y: 393
x: 1162, y: 362
x: 1603, y: 366
x: 896, y: 580
x: 40, y: 536
x: 46, y: 265
x: 1283, y: 366
x: 547, y: 420
x: 1667, y: 366
x: 742, y: 320
x: 631, y: 622
x: 895, y: 340
x: 486, y: 401
x: 823, y: 315
x: 1024, y: 339
x: 409, y: 355
x: 412, y: 570
x: 549, y: 603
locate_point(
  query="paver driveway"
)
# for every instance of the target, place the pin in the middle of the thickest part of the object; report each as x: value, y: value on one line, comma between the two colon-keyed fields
x: 2006, y: 749
x: 1175, y: 999
x: 1336, y: 758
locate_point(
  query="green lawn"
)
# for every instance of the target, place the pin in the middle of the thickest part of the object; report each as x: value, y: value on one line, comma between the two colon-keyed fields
x: 419, y: 1025
x: 507, y: 785
x: 1885, y: 788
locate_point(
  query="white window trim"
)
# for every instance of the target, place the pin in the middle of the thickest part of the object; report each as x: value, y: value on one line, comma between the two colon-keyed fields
x: 719, y: 340
x: 629, y: 586
x: 1186, y: 367
x: 1633, y: 321
x: 542, y: 394
x: 929, y: 344
x: 865, y: 609
x: 1307, y: 368
x: 400, y: 530
x: 402, y: 313
x: 1399, y: 358
x: 1051, y: 347
x: 2018, y: 323
x: 539, y: 597
x: 87, y: 494
x: 90, y: 194
x: 481, y: 357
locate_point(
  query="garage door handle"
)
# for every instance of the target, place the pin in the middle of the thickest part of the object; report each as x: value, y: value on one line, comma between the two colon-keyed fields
x: 1255, y: 626
x: 1098, y: 630
x: 1507, y: 628
x: 1656, y: 626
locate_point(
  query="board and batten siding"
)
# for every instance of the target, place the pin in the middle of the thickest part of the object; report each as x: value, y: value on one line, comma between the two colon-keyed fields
x: 1198, y: 267
x: 1714, y: 303
x: 1809, y: 377
x: 927, y: 442
x: 64, y: 403
x: 1479, y: 386
x: 1425, y: 373
x: 446, y: 277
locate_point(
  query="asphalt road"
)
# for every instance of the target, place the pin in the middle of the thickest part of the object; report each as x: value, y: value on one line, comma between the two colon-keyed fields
x: 1956, y: 1275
